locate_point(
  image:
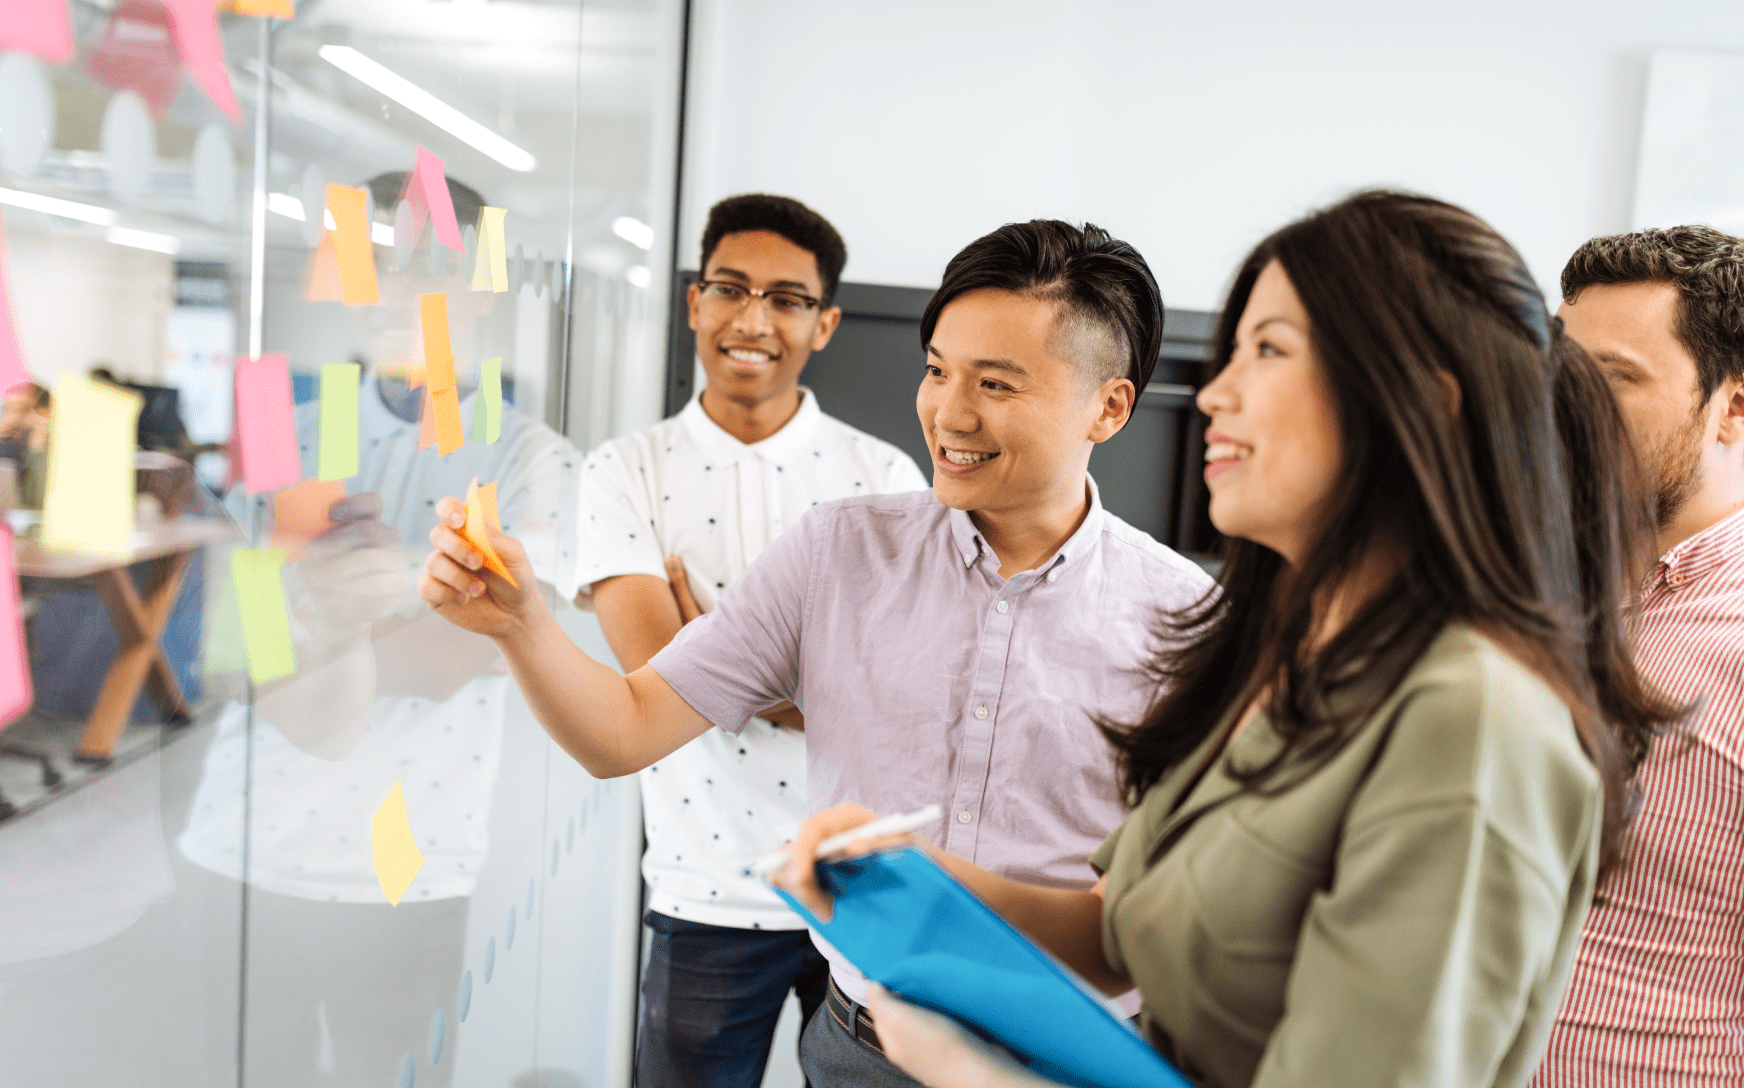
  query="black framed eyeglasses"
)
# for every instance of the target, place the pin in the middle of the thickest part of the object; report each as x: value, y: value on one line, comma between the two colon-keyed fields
x: 734, y: 297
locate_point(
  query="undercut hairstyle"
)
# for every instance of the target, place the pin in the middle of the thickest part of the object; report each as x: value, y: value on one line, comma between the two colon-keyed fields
x: 1706, y: 267
x: 783, y: 216
x: 1515, y: 507
x: 1111, y: 311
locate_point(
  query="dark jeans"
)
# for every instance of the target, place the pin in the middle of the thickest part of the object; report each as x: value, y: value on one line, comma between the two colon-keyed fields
x: 711, y: 997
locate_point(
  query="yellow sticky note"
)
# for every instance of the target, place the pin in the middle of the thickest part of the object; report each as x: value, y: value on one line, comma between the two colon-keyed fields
x: 89, y: 502
x: 277, y: 9
x: 339, y: 382
x: 352, y: 245
x: 487, y: 404
x: 476, y: 518
x: 397, y: 859
x: 490, y: 272
x: 266, y: 620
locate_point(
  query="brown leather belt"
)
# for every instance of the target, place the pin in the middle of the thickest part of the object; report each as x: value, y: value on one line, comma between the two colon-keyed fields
x: 853, y: 1019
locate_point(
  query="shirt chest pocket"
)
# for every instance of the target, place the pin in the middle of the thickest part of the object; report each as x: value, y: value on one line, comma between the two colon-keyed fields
x: 1250, y: 892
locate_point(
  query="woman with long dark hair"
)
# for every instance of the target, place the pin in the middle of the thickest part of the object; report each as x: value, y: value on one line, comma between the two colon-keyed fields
x: 1389, y: 760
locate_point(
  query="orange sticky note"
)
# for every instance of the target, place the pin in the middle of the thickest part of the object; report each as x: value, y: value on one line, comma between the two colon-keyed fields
x: 395, y: 850
x: 300, y: 514
x: 487, y: 498
x: 276, y: 9
x: 426, y: 422
x: 43, y: 27
x: 476, y: 519
x: 444, y: 402
x: 194, y: 24
x: 352, y: 245
x: 323, y: 282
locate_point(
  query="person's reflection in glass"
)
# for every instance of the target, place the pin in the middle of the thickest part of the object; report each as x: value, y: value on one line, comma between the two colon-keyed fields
x: 340, y: 983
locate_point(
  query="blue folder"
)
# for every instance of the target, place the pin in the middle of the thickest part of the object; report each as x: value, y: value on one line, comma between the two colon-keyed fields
x: 907, y: 924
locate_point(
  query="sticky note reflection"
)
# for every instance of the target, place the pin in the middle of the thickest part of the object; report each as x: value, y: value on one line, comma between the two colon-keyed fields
x: 89, y: 502
x: 266, y: 424
x: 444, y: 403
x: 397, y: 859
x: 266, y: 619
x: 15, y: 692
x: 43, y: 27
x: 13, y: 372
x: 474, y: 532
x: 427, y: 190
x: 487, y: 405
x: 339, y: 384
x: 301, y: 513
x: 352, y: 246
x: 490, y: 272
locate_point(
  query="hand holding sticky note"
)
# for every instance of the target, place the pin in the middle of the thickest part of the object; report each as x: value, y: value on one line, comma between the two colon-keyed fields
x: 397, y: 859
x: 481, y: 510
x: 302, y: 513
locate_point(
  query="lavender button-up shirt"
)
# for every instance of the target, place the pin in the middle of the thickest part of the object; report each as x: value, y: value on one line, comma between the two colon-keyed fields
x: 926, y: 678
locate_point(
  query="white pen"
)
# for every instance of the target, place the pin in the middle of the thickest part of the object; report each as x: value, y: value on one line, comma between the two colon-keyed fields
x: 889, y: 825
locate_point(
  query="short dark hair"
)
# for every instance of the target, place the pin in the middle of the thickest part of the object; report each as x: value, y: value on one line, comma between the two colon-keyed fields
x: 1706, y: 267
x: 787, y: 217
x: 1092, y: 275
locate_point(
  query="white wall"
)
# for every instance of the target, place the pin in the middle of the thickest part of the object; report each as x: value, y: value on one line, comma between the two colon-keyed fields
x: 79, y: 301
x: 1190, y: 129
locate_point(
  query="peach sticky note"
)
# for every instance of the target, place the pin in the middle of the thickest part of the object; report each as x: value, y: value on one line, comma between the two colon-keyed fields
x: 43, y: 27
x: 301, y: 513
x: 266, y: 423
x: 476, y: 519
x: 12, y: 369
x: 195, y: 25
x: 397, y: 859
x: 89, y: 502
x: 266, y: 618
x: 15, y: 691
x: 339, y: 382
x: 322, y: 281
x: 276, y: 9
x: 487, y: 403
x: 352, y: 246
x: 490, y: 272
x: 487, y: 498
x: 444, y: 400
x: 426, y: 422
x: 427, y: 188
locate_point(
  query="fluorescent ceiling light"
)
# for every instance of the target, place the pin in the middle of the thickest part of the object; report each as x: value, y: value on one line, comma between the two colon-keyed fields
x: 291, y: 208
x: 639, y: 275
x: 66, y: 209
x: 142, y: 239
x: 428, y: 106
x: 633, y: 231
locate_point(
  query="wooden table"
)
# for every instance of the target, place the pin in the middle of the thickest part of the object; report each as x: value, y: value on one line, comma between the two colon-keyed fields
x: 167, y: 549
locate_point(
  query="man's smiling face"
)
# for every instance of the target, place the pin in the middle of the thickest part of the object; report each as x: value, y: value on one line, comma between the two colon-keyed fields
x: 753, y: 353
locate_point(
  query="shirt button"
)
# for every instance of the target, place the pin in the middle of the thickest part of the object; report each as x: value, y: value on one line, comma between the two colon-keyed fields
x: 981, y: 711
x: 1002, y: 607
x: 963, y: 817
x: 1676, y: 579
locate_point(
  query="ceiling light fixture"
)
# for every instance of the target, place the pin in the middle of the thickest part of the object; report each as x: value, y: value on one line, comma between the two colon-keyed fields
x: 634, y: 231
x: 66, y: 209
x: 428, y: 106
x: 142, y: 239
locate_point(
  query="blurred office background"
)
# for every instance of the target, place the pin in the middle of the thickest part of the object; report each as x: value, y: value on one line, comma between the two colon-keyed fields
x: 188, y: 901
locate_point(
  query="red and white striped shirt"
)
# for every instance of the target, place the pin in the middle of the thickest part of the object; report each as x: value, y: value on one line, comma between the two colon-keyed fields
x: 1657, y: 996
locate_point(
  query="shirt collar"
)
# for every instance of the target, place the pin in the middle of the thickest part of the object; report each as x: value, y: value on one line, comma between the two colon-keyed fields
x: 1718, y: 544
x: 970, y: 545
x: 722, y: 448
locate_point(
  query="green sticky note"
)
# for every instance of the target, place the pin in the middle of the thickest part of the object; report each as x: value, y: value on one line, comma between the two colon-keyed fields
x: 487, y: 406
x: 339, y: 383
x: 266, y: 620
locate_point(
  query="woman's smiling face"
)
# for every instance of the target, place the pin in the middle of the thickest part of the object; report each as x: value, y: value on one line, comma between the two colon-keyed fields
x: 1272, y: 449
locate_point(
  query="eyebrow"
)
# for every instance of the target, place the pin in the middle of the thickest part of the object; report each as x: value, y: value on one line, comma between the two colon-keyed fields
x: 1276, y: 319
x: 1619, y: 359
x: 778, y: 285
x: 1007, y: 366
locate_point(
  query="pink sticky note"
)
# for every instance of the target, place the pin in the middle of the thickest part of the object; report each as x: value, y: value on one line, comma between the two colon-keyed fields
x: 12, y: 371
x: 136, y: 54
x: 195, y: 24
x: 266, y: 424
x: 42, y: 27
x: 427, y: 189
x: 15, y: 693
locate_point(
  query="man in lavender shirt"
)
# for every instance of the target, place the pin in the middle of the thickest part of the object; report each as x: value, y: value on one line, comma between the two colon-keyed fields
x: 952, y: 647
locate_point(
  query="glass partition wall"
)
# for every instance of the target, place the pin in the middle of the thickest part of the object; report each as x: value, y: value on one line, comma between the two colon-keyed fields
x: 267, y: 821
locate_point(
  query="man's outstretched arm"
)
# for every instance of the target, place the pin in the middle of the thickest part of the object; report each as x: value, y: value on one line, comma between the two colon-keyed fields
x: 613, y: 725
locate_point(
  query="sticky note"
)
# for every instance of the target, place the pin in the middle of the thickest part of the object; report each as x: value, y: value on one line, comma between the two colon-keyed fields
x: 444, y: 402
x: 266, y: 618
x: 487, y: 498
x: 15, y: 691
x: 476, y: 519
x: 322, y: 282
x: 13, y: 372
x: 137, y: 53
x: 490, y: 271
x: 89, y: 502
x: 426, y: 422
x: 194, y: 24
x: 300, y: 514
x: 276, y: 9
x: 487, y: 405
x: 43, y: 27
x: 427, y: 190
x: 339, y: 383
x: 397, y: 860
x: 266, y: 424
x: 352, y: 246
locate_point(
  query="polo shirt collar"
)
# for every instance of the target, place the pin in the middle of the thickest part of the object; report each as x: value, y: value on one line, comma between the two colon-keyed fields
x: 971, y: 547
x: 779, y: 448
x: 1719, y: 544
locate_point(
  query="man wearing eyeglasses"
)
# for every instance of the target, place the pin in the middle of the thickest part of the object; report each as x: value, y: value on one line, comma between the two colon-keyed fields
x: 669, y: 517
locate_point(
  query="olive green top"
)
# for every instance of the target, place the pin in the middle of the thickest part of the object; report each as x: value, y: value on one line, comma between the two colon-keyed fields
x: 1407, y: 914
